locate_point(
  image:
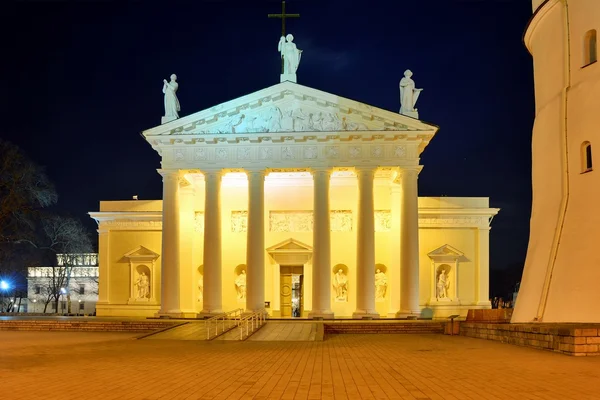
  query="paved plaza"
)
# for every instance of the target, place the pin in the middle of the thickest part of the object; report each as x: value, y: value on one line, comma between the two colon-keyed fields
x: 65, y: 365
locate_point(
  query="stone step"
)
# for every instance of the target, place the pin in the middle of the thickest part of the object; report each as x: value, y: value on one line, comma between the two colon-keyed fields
x: 374, y: 328
x: 83, y: 326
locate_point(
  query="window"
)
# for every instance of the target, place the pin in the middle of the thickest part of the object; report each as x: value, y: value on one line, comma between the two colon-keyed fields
x: 586, y: 157
x: 38, y: 289
x: 590, y: 48
x: 81, y: 306
x: 63, y: 305
x: 81, y: 289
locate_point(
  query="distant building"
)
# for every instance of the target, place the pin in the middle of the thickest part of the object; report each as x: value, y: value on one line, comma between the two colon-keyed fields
x: 75, y: 277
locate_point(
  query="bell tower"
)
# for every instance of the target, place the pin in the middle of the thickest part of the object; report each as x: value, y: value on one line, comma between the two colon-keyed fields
x: 562, y: 270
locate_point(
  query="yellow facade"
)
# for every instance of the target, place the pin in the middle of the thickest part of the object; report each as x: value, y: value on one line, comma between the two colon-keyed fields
x: 456, y: 222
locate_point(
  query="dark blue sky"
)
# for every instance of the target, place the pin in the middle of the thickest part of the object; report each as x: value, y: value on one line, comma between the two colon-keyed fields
x: 83, y: 79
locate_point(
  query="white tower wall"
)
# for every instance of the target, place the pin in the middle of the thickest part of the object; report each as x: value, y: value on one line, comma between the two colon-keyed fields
x: 562, y: 269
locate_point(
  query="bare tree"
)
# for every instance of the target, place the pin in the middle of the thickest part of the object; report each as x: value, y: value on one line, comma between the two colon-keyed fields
x: 24, y: 190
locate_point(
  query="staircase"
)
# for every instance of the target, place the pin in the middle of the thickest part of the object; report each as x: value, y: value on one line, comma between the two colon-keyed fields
x: 383, y: 327
x: 74, y: 325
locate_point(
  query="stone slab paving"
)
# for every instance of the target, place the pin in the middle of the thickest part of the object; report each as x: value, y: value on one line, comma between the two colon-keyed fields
x: 285, y: 331
x: 114, y: 366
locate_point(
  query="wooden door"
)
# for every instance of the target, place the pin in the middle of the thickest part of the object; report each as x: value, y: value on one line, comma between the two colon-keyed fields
x: 286, y: 292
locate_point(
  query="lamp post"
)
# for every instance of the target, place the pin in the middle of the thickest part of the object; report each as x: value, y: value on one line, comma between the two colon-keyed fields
x: 4, y: 287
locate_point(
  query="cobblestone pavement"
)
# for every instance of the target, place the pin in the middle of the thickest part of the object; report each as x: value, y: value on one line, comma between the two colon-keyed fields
x: 114, y: 366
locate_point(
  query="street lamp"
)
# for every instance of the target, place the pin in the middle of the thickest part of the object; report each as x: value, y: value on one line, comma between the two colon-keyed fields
x: 4, y: 287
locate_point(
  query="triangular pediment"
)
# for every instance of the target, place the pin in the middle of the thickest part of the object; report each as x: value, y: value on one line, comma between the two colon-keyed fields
x: 141, y: 252
x: 446, y: 251
x: 289, y: 107
x: 290, y: 245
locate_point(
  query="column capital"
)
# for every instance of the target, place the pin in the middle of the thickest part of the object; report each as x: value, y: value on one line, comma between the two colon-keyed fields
x: 365, y: 172
x: 321, y: 170
x: 212, y: 174
x: 256, y: 172
x: 406, y: 172
x: 169, y: 173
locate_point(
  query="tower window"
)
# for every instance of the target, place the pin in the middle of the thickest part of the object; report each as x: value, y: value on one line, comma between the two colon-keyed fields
x: 591, y: 48
x: 586, y: 157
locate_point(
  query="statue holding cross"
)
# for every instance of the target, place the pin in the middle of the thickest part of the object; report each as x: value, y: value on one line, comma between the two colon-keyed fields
x: 290, y: 54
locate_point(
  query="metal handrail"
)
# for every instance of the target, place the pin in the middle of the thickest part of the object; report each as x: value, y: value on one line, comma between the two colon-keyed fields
x: 252, y: 322
x: 234, y: 315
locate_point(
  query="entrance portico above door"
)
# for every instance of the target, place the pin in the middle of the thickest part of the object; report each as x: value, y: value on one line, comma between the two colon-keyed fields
x: 291, y: 257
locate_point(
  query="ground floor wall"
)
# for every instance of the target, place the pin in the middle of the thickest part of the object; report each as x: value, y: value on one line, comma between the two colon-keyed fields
x: 454, y: 246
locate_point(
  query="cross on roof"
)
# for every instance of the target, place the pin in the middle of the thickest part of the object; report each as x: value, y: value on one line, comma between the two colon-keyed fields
x: 283, y: 16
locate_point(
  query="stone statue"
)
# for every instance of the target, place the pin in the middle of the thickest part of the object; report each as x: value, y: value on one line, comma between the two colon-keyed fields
x: 240, y: 286
x: 380, y: 285
x: 408, y: 95
x: 201, y: 288
x: 291, y: 57
x: 143, y: 285
x: 443, y: 283
x: 172, y: 107
x: 340, y: 284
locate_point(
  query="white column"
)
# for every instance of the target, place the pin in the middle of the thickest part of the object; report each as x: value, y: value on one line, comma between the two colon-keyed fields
x: 365, y: 246
x: 255, y: 244
x: 212, y: 244
x: 409, y: 244
x: 394, y: 267
x: 103, y: 266
x: 483, y: 267
x: 321, y: 276
x: 169, y: 303
x: 187, y: 273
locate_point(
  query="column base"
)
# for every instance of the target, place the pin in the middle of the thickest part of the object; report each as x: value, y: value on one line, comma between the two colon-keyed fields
x: 408, y: 314
x: 175, y: 314
x: 208, y: 313
x: 320, y: 314
x: 361, y: 314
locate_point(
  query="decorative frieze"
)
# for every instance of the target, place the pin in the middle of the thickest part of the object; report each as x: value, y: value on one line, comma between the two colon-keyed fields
x: 460, y: 220
x: 340, y: 220
x: 126, y: 223
x: 383, y: 220
x: 239, y: 221
x: 291, y: 221
x: 302, y: 221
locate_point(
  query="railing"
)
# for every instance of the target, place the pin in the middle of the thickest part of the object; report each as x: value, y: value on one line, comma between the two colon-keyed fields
x: 251, y: 322
x: 213, y: 323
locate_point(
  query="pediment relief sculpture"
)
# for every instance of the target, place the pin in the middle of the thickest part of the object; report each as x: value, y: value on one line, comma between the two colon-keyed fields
x: 281, y: 119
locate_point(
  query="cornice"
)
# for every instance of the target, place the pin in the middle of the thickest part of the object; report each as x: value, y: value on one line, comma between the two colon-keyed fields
x: 539, y: 14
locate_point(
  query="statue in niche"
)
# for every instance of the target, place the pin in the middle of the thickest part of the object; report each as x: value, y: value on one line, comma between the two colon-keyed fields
x: 380, y: 285
x: 240, y: 286
x: 201, y: 288
x: 408, y: 95
x: 172, y: 107
x: 290, y: 54
x: 340, y: 284
x: 143, y: 286
x: 443, y: 283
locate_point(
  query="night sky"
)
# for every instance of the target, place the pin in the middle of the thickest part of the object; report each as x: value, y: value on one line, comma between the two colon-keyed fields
x: 83, y: 79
